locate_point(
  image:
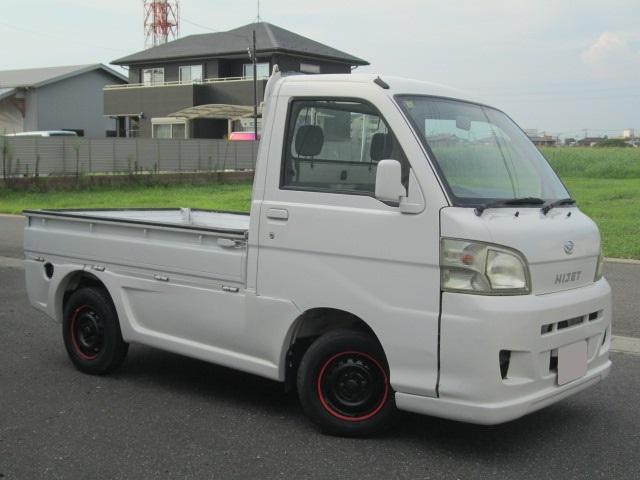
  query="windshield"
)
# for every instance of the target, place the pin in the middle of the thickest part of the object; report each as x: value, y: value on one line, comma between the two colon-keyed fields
x: 481, y: 153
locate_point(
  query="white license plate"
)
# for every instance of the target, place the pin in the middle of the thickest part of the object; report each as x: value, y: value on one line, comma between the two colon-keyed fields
x: 572, y: 362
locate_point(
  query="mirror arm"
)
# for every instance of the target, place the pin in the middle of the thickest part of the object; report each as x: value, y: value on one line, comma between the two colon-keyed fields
x: 409, y: 207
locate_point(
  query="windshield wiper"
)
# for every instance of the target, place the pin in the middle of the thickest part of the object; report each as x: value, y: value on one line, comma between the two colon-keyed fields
x: 507, y: 202
x: 556, y: 203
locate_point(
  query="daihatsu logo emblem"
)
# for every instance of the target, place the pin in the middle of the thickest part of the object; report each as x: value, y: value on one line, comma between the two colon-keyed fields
x: 568, y: 247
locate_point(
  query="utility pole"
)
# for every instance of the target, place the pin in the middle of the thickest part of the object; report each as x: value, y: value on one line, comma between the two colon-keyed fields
x: 255, y: 88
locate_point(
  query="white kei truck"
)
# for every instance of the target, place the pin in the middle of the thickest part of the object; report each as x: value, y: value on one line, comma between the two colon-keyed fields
x: 408, y: 248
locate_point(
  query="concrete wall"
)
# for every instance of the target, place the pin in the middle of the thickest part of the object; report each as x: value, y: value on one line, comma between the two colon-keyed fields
x: 57, y: 155
x: 74, y: 103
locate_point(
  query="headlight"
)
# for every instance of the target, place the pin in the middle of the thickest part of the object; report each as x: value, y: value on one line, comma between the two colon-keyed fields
x: 599, y: 266
x: 482, y: 268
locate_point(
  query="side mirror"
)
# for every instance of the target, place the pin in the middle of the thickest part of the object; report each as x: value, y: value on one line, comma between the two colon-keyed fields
x: 389, y: 186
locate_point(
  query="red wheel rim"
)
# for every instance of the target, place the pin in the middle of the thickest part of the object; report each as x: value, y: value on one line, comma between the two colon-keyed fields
x: 87, y: 334
x: 352, y: 386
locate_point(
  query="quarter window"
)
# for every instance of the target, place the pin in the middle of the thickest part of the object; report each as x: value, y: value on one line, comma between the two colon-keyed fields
x: 335, y: 146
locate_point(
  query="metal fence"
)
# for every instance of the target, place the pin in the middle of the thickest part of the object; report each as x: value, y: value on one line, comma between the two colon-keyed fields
x: 71, y: 155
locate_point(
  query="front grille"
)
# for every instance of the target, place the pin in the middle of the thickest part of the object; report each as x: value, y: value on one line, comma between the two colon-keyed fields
x: 549, y: 328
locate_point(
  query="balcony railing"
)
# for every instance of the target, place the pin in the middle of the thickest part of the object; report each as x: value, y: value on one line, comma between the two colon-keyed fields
x: 178, y: 83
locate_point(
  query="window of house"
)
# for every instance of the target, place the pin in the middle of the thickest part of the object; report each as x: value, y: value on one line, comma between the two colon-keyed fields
x: 335, y: 146
x: 262, y: 70
x: 169, y: 128
x: 153, y: 76
x: 190, y: 73
x: 309, y: 68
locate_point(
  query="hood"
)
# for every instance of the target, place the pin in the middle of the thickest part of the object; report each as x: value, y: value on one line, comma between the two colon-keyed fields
x: 544, y: 240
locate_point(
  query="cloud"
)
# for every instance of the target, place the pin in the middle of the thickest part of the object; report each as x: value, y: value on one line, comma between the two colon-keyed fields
x: 613, y: 55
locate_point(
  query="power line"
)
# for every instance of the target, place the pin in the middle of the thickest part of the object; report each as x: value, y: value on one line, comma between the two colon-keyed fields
x: 198, y: 25
x: 64, y: 37
x: 213, y: 30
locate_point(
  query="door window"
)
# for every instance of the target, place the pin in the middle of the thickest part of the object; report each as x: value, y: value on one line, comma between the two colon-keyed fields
x: 335, y: 146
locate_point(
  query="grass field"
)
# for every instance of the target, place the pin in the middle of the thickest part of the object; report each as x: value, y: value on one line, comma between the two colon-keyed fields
x: 235, y: 197
x: 605, y: 182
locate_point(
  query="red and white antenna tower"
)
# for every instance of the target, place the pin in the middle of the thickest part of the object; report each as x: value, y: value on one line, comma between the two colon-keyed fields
x: 161, y: 22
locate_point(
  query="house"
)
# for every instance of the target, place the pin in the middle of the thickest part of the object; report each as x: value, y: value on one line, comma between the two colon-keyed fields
x: 544, y: 140
x: 201, y: 86
x: 56, y: 98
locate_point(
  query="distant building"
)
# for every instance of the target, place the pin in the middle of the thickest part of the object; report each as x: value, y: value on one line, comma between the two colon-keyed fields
x: 541, y: 139
x: 56, y: 98
x: 628, y: 133
x: 590, y: 141
x: 201, y: 86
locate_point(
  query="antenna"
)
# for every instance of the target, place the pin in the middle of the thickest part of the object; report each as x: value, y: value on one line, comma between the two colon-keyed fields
x: 161, y: 21
x: 258, y: 11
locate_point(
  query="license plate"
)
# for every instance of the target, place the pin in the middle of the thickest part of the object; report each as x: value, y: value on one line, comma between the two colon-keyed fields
x: 572, y: 362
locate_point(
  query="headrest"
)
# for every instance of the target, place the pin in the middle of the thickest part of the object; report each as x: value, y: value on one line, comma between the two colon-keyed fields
x: 381, y: 146
x: 309, y: 140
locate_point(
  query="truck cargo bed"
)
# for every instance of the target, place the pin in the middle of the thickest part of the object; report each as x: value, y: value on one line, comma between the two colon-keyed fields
x: 235, y: 223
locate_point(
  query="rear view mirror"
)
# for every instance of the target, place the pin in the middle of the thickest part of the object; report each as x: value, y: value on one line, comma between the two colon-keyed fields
x: 389, y: 186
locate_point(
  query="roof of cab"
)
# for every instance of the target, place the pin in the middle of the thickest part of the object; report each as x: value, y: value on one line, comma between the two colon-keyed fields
x: 397, y: 85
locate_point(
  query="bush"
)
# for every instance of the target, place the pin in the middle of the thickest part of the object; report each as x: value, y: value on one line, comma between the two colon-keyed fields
x: 613, y: 142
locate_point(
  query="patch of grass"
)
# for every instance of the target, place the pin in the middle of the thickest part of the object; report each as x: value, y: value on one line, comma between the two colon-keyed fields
x: 585, y: 162
x: 235, y: 197
x: 615, y: 206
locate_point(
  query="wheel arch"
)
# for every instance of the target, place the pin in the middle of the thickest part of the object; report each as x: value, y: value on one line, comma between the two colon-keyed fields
x: 310, y: 325
x: 72, y: 282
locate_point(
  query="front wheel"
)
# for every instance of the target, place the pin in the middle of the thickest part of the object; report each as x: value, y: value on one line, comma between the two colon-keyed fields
x: 91, y: 332
x: 343, y: 385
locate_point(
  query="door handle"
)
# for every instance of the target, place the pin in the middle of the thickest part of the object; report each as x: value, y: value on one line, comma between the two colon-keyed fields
x: 278, y: 213
x: 228, y: 243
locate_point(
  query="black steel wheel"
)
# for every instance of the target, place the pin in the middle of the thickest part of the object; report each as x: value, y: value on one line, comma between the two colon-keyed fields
x: 343, y: 384
x: 91, y: 332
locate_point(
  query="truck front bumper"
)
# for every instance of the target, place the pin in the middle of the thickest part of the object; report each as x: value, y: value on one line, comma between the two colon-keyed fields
x: 528, y: 330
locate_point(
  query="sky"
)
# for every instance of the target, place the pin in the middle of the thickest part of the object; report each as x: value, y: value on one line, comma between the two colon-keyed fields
x: 559, y: 66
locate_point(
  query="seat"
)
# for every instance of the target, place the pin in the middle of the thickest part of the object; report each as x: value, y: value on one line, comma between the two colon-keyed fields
x: 381, y: 146
x: 309, y: 140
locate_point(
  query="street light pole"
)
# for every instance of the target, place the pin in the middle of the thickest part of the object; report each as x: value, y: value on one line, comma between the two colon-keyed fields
x: 255, y: 88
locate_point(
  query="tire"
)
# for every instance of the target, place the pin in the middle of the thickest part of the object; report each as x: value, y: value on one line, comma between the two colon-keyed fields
x: 343, y: 385
x: 91, y: 332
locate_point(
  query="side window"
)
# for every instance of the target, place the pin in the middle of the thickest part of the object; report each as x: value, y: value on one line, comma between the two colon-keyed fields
x: 335, y: 146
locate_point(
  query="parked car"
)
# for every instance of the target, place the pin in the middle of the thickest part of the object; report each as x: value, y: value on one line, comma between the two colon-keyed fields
x: 242, y: 136
x: 408, y: 248
x: 44, y: 133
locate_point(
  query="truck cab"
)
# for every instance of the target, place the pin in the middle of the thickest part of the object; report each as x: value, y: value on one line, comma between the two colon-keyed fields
x: 407, y: 248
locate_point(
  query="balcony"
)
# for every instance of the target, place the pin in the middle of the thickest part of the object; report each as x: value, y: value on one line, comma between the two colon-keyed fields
x: 160, y: 100
x: 206, y: 81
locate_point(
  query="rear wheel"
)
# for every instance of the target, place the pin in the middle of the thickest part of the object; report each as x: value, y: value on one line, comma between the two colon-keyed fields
x: 91, y: 332
x: 343, y: 384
